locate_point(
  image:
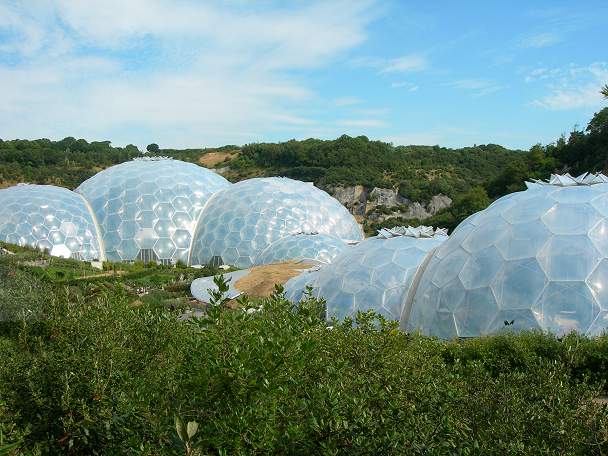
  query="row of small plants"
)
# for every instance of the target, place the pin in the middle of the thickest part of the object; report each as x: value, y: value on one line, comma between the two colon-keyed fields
x: 98, y: 376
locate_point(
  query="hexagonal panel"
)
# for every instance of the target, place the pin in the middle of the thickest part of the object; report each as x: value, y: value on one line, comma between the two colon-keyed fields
x: 566, y: 307
x: 474, y: 315
x: 568, y: 257
x: 481, y: 268
x: 519, y: 284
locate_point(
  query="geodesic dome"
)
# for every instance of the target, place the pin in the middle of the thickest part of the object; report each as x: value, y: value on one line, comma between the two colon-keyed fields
x: 48, y: 218
x: 320, y: 248
x: 375, y: 274
x: 147, y: 208
x: 532, y: 259
x: 241, y: 221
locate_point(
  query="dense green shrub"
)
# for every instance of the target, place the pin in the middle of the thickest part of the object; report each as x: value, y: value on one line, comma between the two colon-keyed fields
x: 101, y: 377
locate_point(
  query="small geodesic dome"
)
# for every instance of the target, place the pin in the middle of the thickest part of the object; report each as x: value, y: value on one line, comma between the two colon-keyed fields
x: 320, y: 248
x: 147, y: 208
x: 244, y: 219
x: 375, y: 274
x: 49, y: 218
x: 532, y: 259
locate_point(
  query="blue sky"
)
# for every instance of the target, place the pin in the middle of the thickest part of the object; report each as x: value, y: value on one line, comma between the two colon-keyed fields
x: 194, y: 73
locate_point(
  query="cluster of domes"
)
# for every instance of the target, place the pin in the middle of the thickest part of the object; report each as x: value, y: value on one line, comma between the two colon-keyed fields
x: 164, y: 210
x: 536, y: 259
x: 532, y: 259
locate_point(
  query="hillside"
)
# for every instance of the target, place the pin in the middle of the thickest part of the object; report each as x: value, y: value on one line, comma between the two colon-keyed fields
x: 382, y: 184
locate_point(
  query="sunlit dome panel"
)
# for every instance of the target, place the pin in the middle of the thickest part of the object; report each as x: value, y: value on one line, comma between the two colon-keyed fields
x: 147, y: 208
x: 241, y: 221
x: 49, y: 218
x: 320, y: 248
x: 536, y: 259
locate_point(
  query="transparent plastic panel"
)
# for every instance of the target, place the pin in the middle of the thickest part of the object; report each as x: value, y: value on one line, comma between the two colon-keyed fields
x: 48, y: 218
x: 150, y: 204
x: 567, y: 306
x: 272, y: 208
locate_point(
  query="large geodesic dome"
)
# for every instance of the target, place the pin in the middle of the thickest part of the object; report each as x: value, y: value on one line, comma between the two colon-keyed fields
x: 49, y: 218
x: 147, y: 208
x: 532, y: 259
x: 375, y: 274
x: 242, y: 220
x: 320, y: 248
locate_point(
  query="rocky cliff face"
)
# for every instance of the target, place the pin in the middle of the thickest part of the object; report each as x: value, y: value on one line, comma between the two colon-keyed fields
x: 380, y: 204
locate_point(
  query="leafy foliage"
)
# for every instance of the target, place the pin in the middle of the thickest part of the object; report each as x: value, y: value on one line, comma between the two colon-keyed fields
x: 99, y: 376
x: 65, y: 163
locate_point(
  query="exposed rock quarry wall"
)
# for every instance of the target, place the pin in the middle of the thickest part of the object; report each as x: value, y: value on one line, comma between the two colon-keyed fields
x: 384, y: 203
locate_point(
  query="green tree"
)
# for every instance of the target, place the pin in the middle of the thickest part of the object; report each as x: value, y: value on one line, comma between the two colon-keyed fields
x: 153, y: 148
x: 604, y: 91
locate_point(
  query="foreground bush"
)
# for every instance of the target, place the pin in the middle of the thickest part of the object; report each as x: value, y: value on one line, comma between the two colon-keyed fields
x: 101, y: 377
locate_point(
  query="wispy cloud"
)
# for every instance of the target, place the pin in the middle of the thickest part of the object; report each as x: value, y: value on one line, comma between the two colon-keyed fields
x: 405, y: 85
x: 180, y: 74
x: 540, y: 40
x: 403, y: 64
x: 478, y: 87
x: 570, y: 87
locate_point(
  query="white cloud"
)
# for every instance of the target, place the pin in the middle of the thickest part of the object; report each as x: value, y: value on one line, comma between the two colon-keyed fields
x: 346, y: 101
x: 181, y: 74
x: 541, y: 40
x: 405, y: 63
x: 570, y: 87
x: 405, y: 85
x: 479, y: 87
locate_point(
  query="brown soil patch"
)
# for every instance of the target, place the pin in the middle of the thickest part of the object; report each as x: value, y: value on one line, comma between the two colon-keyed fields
x: 213, y: 158
x: 261, y: 280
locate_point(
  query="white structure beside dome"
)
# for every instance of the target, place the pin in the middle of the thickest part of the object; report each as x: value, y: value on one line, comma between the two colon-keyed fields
x: 532, y: 259
x: 49, y: 218
x: 147, y: 208
x: 242, y: 220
